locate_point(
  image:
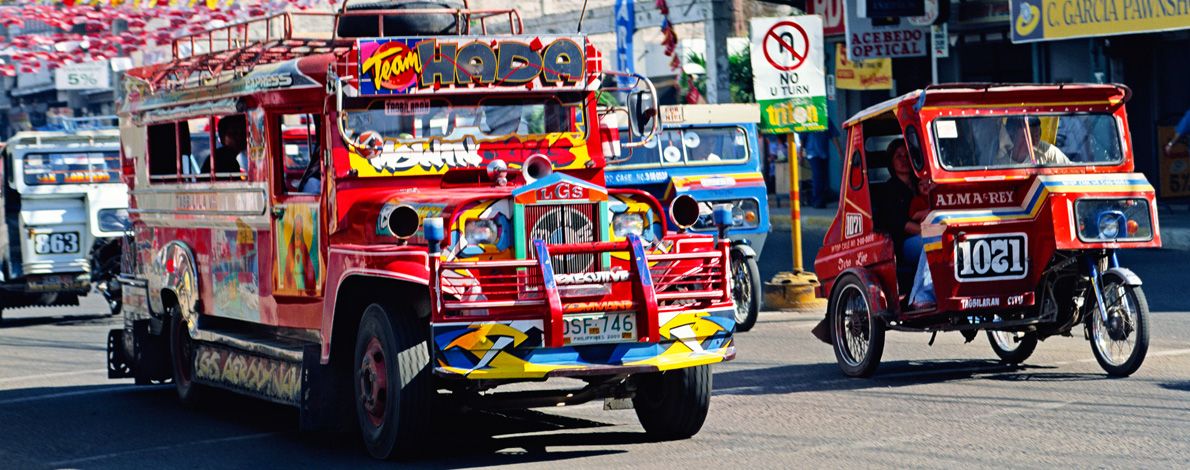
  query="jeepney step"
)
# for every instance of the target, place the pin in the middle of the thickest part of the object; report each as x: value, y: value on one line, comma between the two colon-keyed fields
x: 286, y: 349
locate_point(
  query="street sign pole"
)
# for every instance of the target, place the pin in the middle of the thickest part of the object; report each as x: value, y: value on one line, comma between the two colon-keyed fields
x: 795, y: 203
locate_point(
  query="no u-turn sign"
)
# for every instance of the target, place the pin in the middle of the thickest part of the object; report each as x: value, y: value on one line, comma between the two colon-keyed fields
x: 789, y: 80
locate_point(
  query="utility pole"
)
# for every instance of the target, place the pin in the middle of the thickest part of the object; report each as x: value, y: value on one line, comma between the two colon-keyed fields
x: 719, y: 25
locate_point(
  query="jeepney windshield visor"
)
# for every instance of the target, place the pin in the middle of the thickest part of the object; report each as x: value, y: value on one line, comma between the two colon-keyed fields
x: 412, y: 120
x: 1027, y: 140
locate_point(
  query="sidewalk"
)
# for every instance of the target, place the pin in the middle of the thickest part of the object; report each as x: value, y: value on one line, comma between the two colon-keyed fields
x: 1174, y: 220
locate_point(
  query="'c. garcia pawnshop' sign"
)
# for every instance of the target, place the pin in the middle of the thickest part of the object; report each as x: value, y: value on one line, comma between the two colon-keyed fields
x: 404, y: 66
x: 1043, y: 20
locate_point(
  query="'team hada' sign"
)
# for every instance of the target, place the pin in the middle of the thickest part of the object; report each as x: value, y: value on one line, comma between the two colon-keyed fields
x: 399, y: 66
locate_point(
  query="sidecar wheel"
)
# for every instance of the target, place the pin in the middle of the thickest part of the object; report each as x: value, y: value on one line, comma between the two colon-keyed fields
x: 856, y: 332
x: 1120, y: 344
x: 1013, y: 347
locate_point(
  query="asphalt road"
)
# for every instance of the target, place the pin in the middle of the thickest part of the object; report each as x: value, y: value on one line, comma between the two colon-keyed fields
x: 781, y: 404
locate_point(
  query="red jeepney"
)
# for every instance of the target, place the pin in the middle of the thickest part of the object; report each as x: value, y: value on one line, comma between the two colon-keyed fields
x: 451, y: 234
x: 1024, y: 193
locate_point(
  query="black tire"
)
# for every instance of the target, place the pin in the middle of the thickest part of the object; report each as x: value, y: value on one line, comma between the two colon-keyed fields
x: 856, y: 332
x: 745, y: 290
x: 393, y: 420
x: 181, y: 359
x: 1013, y: 350
x: 1130, y: 330
x: 402, y: 25
x: 673, y: 404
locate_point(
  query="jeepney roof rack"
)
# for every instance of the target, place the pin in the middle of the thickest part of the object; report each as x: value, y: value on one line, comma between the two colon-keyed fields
x: 988, y: 86
x: 238, y: 47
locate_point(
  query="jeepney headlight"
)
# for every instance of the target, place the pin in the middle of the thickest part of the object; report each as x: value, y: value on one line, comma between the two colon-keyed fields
x: 113, y: 220
x: 628, y: 223
x: 1113, y: 219
x: 481, y: 231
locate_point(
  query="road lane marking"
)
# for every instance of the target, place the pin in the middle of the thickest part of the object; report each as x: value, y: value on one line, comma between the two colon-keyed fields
x: 203, y: 442
x: 50, y: 376
x: 54, y: 396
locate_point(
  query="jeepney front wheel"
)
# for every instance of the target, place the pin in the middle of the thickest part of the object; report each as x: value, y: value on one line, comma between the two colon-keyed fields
x: 745, y: 290
x: 181, y: 353
x: 856, y: 332
x: 673, y: 404
x: 392, y: 380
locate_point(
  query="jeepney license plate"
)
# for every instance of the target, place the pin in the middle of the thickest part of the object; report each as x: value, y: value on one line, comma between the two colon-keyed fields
x: 598, y: 328
x: 55, y: 282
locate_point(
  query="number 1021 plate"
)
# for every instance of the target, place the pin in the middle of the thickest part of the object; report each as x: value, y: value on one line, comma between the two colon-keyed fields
x: 598, y: 328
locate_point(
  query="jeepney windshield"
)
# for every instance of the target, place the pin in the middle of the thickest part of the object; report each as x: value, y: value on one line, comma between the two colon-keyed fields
x: 686, y: 146
x: 1027, y: 141
x: 71, y: 167
x: 410, y: 120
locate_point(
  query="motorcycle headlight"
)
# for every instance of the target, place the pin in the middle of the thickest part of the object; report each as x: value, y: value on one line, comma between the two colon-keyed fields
x: 481, y: 231
x: 745, y: 213
x: 628, y: 223
x: 113, y: 220
x: 1109, y: 224
x: 1113, y: 219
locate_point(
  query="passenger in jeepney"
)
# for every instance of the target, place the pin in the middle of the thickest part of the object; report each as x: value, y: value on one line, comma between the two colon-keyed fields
x: 1018, y: 147
x: 901, y: 210
x: 233, y: 139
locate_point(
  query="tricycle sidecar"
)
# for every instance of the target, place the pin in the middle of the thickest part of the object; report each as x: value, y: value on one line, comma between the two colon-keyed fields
x: 1017, y: 198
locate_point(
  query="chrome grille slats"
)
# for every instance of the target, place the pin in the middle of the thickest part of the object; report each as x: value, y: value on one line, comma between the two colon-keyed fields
x: 565, y: 224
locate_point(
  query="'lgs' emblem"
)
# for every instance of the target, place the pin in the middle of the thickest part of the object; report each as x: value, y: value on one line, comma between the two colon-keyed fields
x: 991, y: 257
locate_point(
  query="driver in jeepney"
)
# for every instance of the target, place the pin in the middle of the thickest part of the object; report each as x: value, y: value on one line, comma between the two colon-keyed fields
x: 1017, y: 147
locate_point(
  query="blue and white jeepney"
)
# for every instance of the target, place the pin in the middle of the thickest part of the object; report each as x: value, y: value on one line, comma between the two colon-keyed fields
x: 65, y: 211
x: 711, y: 153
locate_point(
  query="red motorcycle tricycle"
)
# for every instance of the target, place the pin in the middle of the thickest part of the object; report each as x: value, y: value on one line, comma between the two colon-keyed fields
x: 969, y: 207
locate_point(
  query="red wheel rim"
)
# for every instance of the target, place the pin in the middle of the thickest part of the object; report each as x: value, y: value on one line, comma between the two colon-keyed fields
x: 373, y: 381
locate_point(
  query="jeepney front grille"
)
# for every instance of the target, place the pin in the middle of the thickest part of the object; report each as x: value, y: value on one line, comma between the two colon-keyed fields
x: 564, y: 224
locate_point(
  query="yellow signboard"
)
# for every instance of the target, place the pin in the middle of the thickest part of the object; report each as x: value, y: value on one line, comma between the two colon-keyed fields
x: 1044, y: 20
x: 872, y: 74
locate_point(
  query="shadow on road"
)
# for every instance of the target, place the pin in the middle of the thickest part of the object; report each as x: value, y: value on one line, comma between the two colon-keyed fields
x: 826, y: 377
x: 56, y: 320
x: 1183, y: 386
x: 121, y: 425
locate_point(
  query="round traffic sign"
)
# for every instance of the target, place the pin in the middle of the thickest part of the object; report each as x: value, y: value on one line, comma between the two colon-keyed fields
x: 786, y: 46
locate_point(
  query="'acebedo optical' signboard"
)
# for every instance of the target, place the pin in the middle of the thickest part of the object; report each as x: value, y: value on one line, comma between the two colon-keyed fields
x: 1045, y: 20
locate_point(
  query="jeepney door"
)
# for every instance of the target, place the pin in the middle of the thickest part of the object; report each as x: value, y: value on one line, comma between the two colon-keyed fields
x: 298, y: 263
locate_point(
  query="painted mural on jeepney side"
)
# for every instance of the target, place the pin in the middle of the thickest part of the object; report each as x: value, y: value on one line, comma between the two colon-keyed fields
x: 567, y: 150
x: 493, y: 350
x: 234, y: 273
x: 298, y: 260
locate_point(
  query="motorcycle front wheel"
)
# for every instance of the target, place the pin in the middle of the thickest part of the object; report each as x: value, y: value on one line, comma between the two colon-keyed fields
x: 1121, y: 342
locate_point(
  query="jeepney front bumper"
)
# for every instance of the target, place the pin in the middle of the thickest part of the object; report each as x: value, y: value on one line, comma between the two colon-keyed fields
x: 506, y: 319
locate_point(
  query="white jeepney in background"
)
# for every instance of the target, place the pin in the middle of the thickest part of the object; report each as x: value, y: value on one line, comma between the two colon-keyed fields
x: 64, y: 215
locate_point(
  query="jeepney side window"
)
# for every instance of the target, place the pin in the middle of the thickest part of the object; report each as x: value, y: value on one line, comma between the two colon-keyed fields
x: 299, y: 150
x: 231, y: 152
x: 163, y: 152
x: 196, y: 148
x: 714, y: 145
